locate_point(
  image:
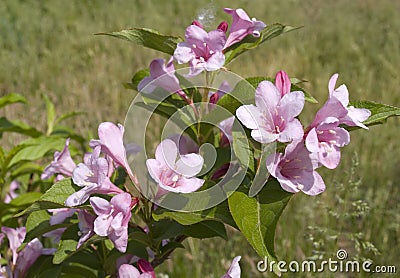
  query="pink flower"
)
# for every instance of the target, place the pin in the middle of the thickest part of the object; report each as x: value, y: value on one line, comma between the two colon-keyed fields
x: 129, y: 271
x: 86, y: 226
x: 27, y: 257
x: 112, y: 144
x: 355, y: 116
x: 113, y: 218
x: 242, y: 26
x: 11, y: 194
x: 93, y: 177
x: 15, y: 238
x: 325, y: 139
x: 161, y: 76
x: 172, y: 175
x: 294, y: 170
x: 61, y: 164
x: 226, y: 127
x: 201, y: 49
x: 273, y: 117
x: 23, y: 259
x: 234, y: 270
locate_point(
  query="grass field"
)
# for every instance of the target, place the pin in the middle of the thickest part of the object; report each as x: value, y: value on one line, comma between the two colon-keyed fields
x: 49, y: 47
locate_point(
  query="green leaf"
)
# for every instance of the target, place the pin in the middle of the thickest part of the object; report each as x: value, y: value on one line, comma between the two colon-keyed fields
x: 38, y: 223
x: 68, y: 244
x: 242, y: 148
x: 251, y: 42
x: 68, y: 115
x: 257, y: 217
x: 36, y: 148
x: 147, y: 38
x: 219, y: 212
x: 54, y: 197
x: 11, y: 98
x: 25, y: 199
x: 206, y: 229
x: 379, y: 112
x: 166, y: 228
x: 51, y: 114
x: 17, y: 127
x: 26, y: 168
x: 137, y: 78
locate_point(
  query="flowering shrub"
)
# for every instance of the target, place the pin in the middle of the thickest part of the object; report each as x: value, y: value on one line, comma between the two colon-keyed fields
x: 233, y: 152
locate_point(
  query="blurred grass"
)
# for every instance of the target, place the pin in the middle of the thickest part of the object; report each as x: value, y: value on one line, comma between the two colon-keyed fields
x: 49, y: 47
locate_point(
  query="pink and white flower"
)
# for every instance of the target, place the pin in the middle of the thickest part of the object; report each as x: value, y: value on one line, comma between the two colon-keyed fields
x: 295, y: 170
x: 242, y: 26
x: 172, y: 174
x: 129, y: 271
x: 112, y: 144
x: 11, y: 194
x: 234, y: 270
x: 113, y: 218
x: 92, y: 176
x: 355, y: 116
x: 202, y: 50
x: 61, y: 164
x: 273, y: 118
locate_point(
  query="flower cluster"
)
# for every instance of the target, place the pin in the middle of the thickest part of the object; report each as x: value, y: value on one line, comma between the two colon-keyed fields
x: 273, y: 118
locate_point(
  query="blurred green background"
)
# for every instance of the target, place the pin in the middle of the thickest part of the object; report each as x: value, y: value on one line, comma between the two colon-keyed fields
x: 50, y: 47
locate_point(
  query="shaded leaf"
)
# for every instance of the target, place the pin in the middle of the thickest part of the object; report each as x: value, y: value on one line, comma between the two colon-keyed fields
x: 206, y: 229
x: 147, y: 38
x: 220, y: 213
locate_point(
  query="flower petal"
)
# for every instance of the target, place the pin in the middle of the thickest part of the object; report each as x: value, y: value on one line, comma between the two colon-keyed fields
x: 267, y: 96
x: 189, y: 165
x: 100, y: 206
x: 128, y: 271
x: 250, y: 116
x: 166, y: 153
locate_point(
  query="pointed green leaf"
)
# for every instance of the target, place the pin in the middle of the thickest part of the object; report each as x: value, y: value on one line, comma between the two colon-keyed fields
x: 10, y: 99
x: 54, y: 197
x: 257, y: 217
x: 36, y: 148
x: 68, y: 244
x: 17, y: 127
x: 379, y: 112
x: 51, y: 114
x: 147, y: 38
x: 25, y: 199
x: 38, y: 223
